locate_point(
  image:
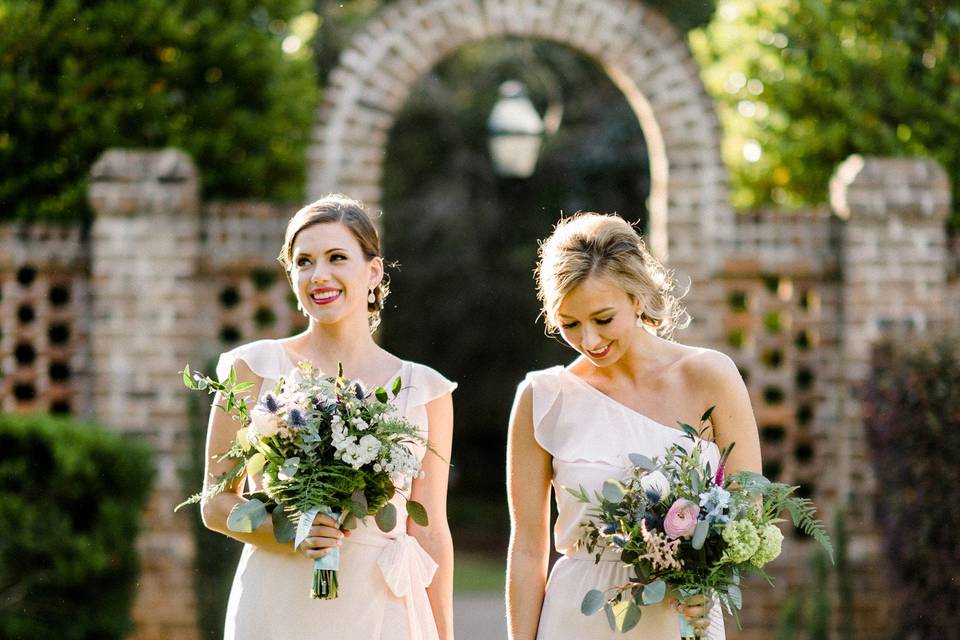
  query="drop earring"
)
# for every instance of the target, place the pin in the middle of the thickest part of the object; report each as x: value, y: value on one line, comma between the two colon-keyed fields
x: 372, y: 298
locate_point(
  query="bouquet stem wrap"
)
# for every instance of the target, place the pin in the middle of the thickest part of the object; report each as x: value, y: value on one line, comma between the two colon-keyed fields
x: 686, y: 629
x: 325, y: 582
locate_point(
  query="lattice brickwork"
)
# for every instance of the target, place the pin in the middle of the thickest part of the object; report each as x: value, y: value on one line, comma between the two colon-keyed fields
x: 44, y: 295
x: 252, y: 295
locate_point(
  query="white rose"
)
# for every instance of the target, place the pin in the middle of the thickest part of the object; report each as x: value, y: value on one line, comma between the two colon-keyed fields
x: 264, y: 423
x: 656, y: 482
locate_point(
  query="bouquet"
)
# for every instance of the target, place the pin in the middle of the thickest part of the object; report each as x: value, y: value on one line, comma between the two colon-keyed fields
x: 322, y: 445
x: 685, y: 529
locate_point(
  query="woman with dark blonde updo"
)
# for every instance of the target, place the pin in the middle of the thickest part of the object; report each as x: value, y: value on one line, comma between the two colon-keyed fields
x: 396, y: 585
x: 613, y: 303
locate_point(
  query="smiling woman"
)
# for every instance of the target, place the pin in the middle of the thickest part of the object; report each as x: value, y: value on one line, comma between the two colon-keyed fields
x: 574, y: 426
x: 393, y: 584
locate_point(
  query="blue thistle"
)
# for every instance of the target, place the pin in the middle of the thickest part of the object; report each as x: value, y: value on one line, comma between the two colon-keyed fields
x: 270, y: 403
x: 295, y: 418
x: 653, y: 521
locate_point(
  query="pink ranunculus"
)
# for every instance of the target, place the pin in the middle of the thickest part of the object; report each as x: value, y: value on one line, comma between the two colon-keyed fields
x: 681, y: 519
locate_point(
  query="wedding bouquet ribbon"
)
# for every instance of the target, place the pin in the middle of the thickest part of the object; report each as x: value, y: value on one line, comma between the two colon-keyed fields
x: 331, y: 561
x: 408, y: 571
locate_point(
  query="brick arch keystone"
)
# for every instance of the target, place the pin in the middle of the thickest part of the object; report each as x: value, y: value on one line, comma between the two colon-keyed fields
x: 691, y: 221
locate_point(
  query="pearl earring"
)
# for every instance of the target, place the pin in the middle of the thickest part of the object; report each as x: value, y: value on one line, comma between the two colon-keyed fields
x: 372, y: 298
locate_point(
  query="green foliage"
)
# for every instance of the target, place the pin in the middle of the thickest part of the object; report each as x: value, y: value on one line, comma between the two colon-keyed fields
x: 806, y: 614
x: 912, y: 403
x: 81, y: 76
x: 71, y: 495
x: 813, y: 81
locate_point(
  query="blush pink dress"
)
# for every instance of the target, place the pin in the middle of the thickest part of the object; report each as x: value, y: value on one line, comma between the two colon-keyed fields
x: 383, y: 576
x: 589, y: 435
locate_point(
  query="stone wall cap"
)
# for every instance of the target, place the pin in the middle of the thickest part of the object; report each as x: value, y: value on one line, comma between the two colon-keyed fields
x: 143, y: 165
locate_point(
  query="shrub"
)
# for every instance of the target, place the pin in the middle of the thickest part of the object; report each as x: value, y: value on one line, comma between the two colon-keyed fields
x: 212, y: 78
x: 71, y: 496
x: 912, y: 402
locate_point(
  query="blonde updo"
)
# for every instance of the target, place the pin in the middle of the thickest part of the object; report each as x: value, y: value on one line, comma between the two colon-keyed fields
x: 589, y: 244
x: 351, y: 213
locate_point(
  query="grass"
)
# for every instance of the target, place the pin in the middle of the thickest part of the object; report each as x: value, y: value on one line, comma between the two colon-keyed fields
x: 478, y: 573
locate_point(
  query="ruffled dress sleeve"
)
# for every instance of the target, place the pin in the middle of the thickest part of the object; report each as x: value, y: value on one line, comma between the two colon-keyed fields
x: 421, y: 385
x: 547, y: 400
x: 266, y: 358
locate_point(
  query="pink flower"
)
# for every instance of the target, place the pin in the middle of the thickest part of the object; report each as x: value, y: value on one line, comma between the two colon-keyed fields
x: 681, y: 519
x: 718, y: 480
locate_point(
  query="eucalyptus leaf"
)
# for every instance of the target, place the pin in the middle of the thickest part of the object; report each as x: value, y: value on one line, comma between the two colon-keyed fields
x: 700, y: 534
x: 626, y: 614
x: 613, y: 491
x: 695, y: 481
x: 395, y: 389
x: 284, y: 531
x: 350, y: 522
x: 381, y: 394
x: 592, y: 602
x: 611, y: 619
x: 736, y: 596
x: 289, y: 468
x: 654, y: 592
x: 417, y: 513
x: 246, y: 516
x: 642, y: 461
x: 358, y: 503
x: 386, y: 518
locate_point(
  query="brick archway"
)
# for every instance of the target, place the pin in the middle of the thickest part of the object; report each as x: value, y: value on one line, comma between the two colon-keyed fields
x: 691, y: 221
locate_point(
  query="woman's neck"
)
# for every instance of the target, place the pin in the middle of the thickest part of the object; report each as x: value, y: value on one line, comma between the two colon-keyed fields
x: 648, y: 356
x: 346, y: 343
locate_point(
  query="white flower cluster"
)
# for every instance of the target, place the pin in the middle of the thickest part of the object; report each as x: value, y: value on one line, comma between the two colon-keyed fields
x: 400, y: 463
x: 353, y: 450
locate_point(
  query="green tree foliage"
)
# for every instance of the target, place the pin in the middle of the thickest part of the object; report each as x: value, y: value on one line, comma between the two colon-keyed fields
x: 79, y: 76
x: 802, y: 84
x: 71, y: 496
x: 912, y: 402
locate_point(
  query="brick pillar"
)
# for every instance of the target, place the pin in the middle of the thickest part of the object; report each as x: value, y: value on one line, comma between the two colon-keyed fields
x: 894, y: 279
x: 147, y: 315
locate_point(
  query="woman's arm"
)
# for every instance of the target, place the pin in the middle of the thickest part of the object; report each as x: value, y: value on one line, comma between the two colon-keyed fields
x: 733, y: 419
x: 431, y: 492
x: 528, y: 493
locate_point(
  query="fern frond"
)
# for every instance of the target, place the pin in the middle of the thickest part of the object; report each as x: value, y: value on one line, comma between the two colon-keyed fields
x: 802, y: 511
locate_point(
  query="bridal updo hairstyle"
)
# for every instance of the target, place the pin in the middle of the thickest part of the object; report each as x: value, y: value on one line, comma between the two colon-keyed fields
x: 351, y: 213
x: 587, y: 244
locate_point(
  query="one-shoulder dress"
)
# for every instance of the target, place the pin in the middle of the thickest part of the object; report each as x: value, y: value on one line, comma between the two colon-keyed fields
x: 589, y: 436
x: 383, y: 576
